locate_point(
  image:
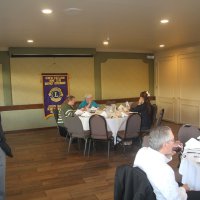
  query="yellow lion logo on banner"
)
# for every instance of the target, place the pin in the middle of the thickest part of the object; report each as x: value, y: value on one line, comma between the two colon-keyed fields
x: 55, y: 94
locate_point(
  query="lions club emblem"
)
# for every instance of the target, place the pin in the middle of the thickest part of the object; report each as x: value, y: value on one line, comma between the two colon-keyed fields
x: 55, y: 94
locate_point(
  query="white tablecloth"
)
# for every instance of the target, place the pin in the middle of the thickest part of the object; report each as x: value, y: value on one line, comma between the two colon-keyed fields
x: 114, y: 124
x: 190, y: 170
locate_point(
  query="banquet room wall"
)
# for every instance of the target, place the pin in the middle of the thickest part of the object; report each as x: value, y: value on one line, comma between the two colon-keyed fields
x: 1, y: 87
x: 128, y: 75
x: 177, y: 84
x: 26, y: 84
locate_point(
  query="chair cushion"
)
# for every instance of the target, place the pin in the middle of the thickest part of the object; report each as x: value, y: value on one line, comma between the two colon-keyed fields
x: 121, y: 134
x: 86, y: 134
x: 102, y: 137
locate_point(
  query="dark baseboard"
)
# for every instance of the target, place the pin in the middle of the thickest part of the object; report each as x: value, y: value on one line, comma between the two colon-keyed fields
x: 29, y: 130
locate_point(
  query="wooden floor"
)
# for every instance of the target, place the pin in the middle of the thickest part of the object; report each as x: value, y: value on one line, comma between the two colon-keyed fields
x: 42, y: 170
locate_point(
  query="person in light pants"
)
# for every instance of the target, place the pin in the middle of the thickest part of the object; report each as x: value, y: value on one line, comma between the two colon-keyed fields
x: 2, y: 174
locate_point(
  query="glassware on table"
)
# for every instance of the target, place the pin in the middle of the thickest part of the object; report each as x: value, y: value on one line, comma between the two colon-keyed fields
x: 178, y: 147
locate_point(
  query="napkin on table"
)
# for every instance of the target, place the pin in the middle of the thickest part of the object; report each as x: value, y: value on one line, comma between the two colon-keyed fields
x: 86, y: 114
x: 192, y: 144
x: 104, y: 114
x: 79, y: 112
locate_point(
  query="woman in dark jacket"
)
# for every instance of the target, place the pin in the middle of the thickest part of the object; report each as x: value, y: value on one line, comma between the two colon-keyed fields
x: 144, y: 108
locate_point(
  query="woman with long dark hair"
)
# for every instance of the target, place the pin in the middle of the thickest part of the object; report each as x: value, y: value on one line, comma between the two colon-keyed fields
x: 144, y: 108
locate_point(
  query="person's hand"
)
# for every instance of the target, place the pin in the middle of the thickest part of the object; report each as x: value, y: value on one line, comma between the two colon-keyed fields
x: 141, y: 101
x: 186, y: 187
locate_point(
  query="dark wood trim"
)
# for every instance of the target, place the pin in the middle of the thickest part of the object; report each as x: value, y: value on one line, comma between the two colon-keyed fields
x: 30, y: 130
x: 40, y: 106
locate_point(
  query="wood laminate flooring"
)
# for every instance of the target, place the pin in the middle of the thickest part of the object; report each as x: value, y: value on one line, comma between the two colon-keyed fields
x: 42, y: 170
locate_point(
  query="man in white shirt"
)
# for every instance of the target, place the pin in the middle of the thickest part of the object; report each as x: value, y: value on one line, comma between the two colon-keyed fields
x: 153, y: 161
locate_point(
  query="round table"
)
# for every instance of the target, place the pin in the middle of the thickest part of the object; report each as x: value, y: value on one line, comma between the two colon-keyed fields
x: 113, y: 124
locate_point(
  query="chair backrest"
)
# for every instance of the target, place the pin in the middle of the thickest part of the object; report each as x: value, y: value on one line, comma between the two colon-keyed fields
x: 132, y: 183
x: 154, y: 110
x: 98, y: 127
x: 160, y: 117
x: 187, y: 132
x: 55, y: 113
x: 74, y: 126
x: 133, y: 125
x: 145, y: 142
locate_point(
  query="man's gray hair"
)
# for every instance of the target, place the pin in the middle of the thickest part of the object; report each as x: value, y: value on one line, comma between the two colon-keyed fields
x: 159, y: 136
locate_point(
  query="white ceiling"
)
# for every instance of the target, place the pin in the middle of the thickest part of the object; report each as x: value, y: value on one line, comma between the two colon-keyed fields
x: 131, y: 25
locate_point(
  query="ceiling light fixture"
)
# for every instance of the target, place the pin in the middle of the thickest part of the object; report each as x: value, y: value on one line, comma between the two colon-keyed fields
x: 164, y: 21
x: 47, y: 11
x: 30, y: 41
x: 161, y: 45
x: 105, y: 43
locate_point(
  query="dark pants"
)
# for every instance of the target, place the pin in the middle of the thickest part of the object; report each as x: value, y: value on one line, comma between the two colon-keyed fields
x: 2, y: 174
x: 193, y: 195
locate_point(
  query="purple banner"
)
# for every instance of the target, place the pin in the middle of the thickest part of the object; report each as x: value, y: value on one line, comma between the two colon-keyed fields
x: 55, y: 88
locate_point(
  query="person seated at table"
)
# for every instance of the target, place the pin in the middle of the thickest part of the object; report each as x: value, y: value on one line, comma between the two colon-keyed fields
x: 153, y: 161
x: 68, y: 108
x: 88, y: 103
x: 144, y: 108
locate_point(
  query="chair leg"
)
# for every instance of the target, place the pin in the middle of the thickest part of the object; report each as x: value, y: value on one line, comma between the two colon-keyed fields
x: 108, y: 149
x: 70, y: 141
x: 89, y: 148
x: 123, y: 146
x: 79, y: 144
x: 86, y: 140
x: 94, y: 149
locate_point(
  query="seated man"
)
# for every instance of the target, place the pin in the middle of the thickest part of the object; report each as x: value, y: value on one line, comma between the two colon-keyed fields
x: 88, y: 103
x: 153, y: 161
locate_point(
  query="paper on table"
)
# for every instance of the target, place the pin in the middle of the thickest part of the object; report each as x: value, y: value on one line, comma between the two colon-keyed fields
x: 104, y: 114
x: 121, y: 107
x: 86, y: 114
x: 93, y: 108
x: 192, y: 144
x: 124, y: 114
x: 79, y: 112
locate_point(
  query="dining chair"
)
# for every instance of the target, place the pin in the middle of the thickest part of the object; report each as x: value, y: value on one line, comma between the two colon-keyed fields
x: 145, y: 141
x: 99, y: 131
x: 75, y: 129
x: 160, y: 118
x: 187, y: 132
x: 154, y: 110
x: 132, y: 129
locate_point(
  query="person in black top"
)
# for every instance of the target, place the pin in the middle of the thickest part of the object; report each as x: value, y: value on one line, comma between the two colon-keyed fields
x: 4, y: 150
x: 144, y: 108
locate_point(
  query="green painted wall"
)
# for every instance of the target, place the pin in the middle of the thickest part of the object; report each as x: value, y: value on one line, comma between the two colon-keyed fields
x: 7, y: 91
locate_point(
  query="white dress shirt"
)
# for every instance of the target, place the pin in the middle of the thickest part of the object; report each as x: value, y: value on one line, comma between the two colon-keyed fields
x: 160, y: 174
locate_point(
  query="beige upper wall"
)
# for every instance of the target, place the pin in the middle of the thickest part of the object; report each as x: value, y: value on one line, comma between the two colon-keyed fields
x: 27, y: 81
x: 178, y: 84
x: 124, y: 78
x: 1, y: 87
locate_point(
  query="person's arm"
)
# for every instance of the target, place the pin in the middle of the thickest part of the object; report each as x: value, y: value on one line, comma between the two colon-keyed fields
x: 172, y: 190
x: 81, y: 105
x: 94, y: 104
x: 139, y: 108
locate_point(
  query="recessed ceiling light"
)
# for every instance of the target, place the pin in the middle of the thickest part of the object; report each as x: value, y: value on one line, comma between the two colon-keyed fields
x: 47, y: 11
x: 161, y: 45
x: 30, y: 41
x: 164, y: 21
x: 105, y: 43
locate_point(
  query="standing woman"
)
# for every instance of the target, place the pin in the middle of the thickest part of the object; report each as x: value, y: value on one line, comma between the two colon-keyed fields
x: 144, y: 108
x: 4, y: 150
